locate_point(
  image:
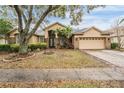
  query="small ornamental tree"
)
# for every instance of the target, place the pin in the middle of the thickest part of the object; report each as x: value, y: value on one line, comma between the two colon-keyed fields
x: 64, y: 34
x: 5, y: 26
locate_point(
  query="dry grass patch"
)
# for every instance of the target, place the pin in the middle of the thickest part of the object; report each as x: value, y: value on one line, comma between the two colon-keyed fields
x: 64, y: 84
x: 63, y: 58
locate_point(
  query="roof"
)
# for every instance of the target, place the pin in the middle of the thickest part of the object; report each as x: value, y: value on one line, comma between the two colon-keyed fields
x: 54, y: 24
x: 36, y: 34
x: 12, y: 30
x: 81, y: 31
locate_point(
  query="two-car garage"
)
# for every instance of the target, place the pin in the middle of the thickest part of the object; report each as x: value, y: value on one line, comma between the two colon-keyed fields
x: 92, y: 43
x: 91, y: 38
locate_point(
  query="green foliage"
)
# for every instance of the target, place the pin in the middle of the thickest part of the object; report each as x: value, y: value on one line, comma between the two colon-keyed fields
x: 5, y: 26
x: 65, y: 32
x: 37, y: 46
x: 4, y: 47
x: 114, y: 45
x: 14, y: 47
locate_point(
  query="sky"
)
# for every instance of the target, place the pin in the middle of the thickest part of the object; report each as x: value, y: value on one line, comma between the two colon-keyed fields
x: 102, y: 18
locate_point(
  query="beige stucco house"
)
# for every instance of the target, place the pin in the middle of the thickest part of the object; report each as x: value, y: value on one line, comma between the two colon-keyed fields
x: 87, y: 38
x: 13, y: 37
x: 91, y: 38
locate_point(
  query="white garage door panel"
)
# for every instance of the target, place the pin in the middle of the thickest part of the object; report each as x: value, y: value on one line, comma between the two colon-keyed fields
x: 91, y: 44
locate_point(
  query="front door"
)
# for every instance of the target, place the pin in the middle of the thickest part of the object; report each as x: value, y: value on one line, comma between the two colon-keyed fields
x: 51, y: 39
x: 51, y: 42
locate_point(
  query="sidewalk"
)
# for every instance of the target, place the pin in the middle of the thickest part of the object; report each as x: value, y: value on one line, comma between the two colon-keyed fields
x: 22, y: 75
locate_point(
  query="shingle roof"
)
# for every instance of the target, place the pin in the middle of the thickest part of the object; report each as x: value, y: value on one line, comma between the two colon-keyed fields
x: 81, y: 31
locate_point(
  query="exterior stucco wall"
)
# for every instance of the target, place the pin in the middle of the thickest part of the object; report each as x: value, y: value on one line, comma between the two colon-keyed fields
x: 34, y: 39
x: 75, y: 42
x: 2, y: 41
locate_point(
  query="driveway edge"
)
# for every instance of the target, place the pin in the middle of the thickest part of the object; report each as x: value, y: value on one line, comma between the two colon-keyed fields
x: 99, y: 59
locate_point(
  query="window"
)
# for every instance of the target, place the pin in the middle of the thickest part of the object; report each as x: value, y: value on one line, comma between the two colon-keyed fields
x: 41, y: 39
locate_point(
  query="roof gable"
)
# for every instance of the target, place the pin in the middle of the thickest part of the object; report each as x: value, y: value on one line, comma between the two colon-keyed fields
x: 50, y: 26
x: 92, y: 32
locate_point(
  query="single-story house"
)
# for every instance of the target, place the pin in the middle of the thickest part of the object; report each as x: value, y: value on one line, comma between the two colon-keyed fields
x: 87, y: 38
x: 91, y: 38
x: 114, y: 35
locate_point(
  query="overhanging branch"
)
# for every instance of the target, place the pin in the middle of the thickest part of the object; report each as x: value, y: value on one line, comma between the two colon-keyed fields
x: 48, y: 10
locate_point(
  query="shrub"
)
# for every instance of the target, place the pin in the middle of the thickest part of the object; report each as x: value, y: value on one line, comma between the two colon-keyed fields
x: 4, y: 47
x: 114, y: 45
x: 37, y: 46
x: 14, y: 47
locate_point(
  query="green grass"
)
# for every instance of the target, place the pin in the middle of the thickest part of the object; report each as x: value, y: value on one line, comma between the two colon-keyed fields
x: 61, y: 58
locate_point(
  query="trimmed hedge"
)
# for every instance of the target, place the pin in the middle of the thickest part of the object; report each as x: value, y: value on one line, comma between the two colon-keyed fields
x: 37, y: 46
x: 15, y: 47
x: 4, y: 47
x: 114, y: 45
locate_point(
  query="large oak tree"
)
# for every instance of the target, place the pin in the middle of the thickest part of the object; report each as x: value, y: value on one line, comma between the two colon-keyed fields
x: 38, y: 15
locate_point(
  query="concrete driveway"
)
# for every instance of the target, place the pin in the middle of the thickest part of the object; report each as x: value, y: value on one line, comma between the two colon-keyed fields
x: 114, y: 57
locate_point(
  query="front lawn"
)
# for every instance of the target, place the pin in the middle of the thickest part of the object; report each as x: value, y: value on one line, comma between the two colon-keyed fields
x: 65, y: 84
x: 61, y: 58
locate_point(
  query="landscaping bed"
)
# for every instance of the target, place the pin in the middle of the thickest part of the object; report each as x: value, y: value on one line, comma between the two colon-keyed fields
x: 58, y: 58
x: 64, y: 84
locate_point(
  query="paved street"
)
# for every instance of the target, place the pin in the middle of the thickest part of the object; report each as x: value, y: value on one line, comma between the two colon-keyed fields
x: 113, y: 57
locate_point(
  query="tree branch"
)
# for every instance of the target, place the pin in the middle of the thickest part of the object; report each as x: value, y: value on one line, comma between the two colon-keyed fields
x: 29, y: 19
x: 24, y: 17
x: 49, y: 9
x: 18, y: 11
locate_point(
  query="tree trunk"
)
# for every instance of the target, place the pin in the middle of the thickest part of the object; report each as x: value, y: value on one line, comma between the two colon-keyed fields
x: 119, y: 39
x: 23, y: 49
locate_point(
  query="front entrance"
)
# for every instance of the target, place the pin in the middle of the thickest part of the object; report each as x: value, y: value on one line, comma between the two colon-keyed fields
x: 51, y: 39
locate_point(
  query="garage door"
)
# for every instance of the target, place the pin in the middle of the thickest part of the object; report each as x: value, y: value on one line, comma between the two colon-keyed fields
x: 91, y: 43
